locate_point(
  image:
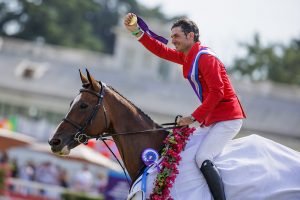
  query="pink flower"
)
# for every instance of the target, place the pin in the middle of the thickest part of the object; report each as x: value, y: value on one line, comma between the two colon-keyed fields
x: 174, y: 144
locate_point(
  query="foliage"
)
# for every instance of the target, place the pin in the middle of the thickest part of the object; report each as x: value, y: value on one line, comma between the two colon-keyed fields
x: 79, y: 196
x: 56, y: 22
x: 2, y: 178
x: 288, y: 71
x: 74, y: 23
x: 277, y: 63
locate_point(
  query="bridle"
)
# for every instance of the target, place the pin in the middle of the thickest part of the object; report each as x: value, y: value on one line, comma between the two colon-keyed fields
x: 81, y: 136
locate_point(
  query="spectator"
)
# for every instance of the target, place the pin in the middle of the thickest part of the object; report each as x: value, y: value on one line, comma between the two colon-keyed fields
x: 27, y: 171
x: 47, y: 173
x: 63, y: 178
x: 5, y: 166
x: 14, y: 168
x: 83, y: 180
x: 100, y: 183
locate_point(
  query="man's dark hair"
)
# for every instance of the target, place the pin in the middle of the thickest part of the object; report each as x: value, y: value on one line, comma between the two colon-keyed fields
x: 187, y: 26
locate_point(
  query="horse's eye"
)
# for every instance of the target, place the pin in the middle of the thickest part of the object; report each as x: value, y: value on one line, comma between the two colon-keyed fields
x: 83, y: 105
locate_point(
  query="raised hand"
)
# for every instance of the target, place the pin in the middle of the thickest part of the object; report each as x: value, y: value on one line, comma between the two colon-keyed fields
x: 130, y: 22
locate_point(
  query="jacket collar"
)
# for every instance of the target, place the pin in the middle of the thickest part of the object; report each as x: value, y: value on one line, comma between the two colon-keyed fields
x: 190, y: 58
x: 193, y: 51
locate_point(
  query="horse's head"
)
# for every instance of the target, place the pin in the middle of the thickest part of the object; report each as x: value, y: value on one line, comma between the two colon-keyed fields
x: 86, y: 118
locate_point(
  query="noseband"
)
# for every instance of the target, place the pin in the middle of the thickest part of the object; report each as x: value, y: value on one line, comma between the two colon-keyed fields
x: 81, y: 136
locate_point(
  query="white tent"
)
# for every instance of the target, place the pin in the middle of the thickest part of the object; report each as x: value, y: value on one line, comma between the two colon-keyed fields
x: 10, y: 139
x: 80, y: 153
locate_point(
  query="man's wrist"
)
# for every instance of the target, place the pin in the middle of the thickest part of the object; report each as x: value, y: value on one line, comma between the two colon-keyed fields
x: 192, y: 118
x: 136, y: 31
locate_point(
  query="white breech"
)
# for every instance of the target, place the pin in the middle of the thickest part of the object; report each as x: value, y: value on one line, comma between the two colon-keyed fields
x: 217, y: 136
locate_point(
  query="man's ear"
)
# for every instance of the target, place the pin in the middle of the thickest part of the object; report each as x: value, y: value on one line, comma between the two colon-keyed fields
x: 191, y: 35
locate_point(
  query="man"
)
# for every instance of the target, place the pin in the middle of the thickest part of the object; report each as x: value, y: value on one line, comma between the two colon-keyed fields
x: 220, y: 111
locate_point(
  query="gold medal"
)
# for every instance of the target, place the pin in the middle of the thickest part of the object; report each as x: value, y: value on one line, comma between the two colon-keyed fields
x: 133, y: 20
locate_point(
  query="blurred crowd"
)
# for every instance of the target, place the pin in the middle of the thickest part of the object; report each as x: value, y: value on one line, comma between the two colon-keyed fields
x: 51, y: 174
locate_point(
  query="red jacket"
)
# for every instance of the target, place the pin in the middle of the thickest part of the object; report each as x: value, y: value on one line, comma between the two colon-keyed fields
x: 220, y: 102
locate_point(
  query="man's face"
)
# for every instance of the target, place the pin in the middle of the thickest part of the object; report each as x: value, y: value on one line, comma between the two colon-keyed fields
x: 181, y: 41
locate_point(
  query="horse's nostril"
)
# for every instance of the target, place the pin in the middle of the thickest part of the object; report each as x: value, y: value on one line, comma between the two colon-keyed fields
x: 54, y: 142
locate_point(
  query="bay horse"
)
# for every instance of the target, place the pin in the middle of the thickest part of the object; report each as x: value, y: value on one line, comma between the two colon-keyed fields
x: 252, y: 168
x: 92, y: 115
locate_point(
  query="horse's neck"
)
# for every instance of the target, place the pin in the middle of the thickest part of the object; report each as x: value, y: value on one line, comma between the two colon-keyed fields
x: 127, y: 118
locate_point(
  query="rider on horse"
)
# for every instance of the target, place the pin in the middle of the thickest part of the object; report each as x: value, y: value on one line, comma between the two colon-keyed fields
x: 220, y: 112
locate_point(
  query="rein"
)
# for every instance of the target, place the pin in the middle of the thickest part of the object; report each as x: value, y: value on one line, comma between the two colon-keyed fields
x: 142, y: 131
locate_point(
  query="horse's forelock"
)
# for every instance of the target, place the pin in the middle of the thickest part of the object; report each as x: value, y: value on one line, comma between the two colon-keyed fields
x: 86, y: 85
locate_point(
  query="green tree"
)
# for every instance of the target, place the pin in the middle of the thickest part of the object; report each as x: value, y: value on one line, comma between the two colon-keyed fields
x: 277, y: 63
x: 74, y: 23
x: 57, y: 22
x: 288, y: 69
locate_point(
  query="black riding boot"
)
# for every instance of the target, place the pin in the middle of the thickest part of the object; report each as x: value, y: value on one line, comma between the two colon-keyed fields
x: 213, y: 179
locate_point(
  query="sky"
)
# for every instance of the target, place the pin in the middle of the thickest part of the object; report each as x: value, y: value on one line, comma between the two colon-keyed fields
x: 224, y: 24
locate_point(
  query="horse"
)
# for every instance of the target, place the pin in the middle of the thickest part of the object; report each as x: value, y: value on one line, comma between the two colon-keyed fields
x: 252, y: 167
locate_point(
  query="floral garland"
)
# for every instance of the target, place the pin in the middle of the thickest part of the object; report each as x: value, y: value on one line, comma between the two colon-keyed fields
x: 174, y: 144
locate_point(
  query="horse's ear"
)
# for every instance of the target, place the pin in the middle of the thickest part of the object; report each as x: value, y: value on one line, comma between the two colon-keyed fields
x: 84, y: 80
x: 92, y: 81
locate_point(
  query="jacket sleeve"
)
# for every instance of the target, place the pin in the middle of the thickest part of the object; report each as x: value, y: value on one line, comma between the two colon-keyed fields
x: 161, y: 50
x: 210, y: 69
